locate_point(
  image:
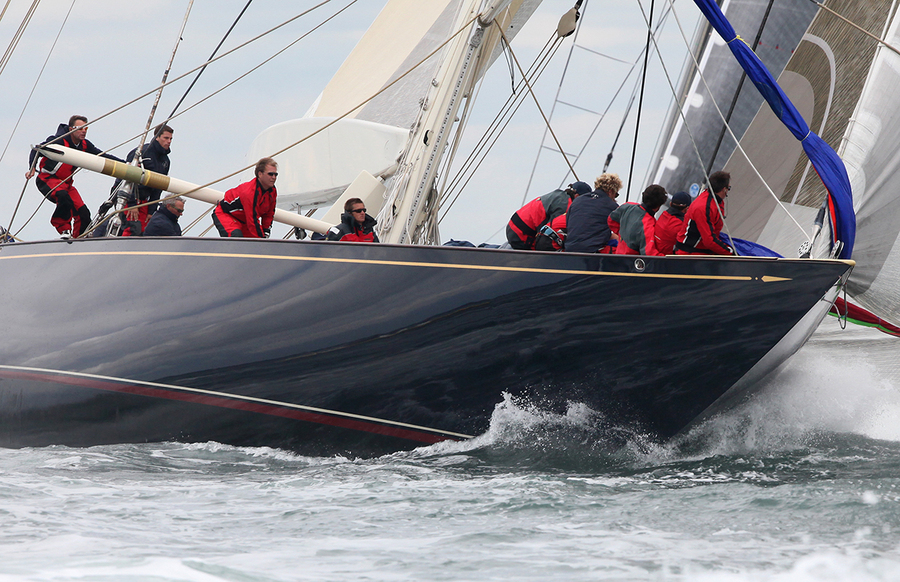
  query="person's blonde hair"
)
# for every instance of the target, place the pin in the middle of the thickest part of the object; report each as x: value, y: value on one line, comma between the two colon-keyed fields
x: 608, y: 182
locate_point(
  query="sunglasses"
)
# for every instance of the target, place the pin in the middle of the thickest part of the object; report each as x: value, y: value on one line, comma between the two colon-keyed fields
x: 359, y: 210
x: 273, y: 174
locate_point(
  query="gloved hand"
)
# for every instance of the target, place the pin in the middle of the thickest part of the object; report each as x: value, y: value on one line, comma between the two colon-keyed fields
x: 267, y: 232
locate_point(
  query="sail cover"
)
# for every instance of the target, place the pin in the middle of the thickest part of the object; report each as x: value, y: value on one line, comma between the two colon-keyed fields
x: 823, y: 158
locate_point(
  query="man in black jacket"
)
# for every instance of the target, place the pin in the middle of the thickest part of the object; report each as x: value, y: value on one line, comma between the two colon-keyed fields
x: 154, y: 157
x: 164, y: 221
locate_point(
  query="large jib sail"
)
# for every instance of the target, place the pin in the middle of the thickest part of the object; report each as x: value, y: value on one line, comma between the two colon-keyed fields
x: 824, y: 159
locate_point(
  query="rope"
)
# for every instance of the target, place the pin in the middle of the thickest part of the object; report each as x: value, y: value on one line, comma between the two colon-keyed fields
x: 22, y: 114
x: 137, y: 151
x: 504, y: 116
x: 562, y: 78
x: 637, y: 123
x: 536, y: 102
x: 200, y: 72
x: 730, y: 131
x: 495, y: 129
x: 18, y: 35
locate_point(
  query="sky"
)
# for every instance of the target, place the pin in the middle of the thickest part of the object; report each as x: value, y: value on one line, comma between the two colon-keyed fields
x: 111, y: 52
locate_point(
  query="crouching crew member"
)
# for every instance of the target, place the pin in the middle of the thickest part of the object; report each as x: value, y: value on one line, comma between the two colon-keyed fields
x: 703, y: 221
x: 355, y: 226
x: 587, y: 227
x: 164, y: 221
x: 670, y: 223
x: 524, y: 226
x: 71, y: 216
x: 635, y: 223
x: 248, y: 209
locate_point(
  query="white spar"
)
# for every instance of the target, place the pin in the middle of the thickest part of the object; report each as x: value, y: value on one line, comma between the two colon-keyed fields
x: 143, y: 177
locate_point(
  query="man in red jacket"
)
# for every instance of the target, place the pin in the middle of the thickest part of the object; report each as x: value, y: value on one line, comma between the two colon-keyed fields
x: 670, y: 223
x: 703, y: 221
x: 248, y: 209
x: 54, y: 180
x: 525, y: 225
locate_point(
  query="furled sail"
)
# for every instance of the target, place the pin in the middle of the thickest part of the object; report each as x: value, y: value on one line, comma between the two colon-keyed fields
x: 774, y: 29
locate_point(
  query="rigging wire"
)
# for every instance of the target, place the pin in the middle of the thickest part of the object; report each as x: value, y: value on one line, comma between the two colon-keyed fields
x: 537, y: 103
x: 555, y: 101
x: 612, y: 100
x: 721, y: 115
x: 8, y: 2
x: 402, y: 76
x: 14, y: 42
x: 163, y: 82
x: 637, y: 124
x: 508, y: 109
x: 22, y: 114
x: 200, y: 72
x: 490, y: 137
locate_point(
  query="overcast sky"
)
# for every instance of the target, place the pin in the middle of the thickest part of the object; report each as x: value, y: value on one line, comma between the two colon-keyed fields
x: 111, y: 52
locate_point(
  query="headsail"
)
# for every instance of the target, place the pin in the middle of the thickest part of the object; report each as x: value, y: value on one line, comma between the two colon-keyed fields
x: 825, y: 79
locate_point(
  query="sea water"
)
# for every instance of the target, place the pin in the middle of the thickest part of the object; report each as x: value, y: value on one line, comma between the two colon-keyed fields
x: 800, y: 484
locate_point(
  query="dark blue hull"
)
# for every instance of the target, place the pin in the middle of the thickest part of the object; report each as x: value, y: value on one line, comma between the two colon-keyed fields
x: 364, y: 349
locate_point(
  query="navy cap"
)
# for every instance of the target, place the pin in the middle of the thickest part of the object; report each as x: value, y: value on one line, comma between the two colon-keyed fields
x: 681, y: 199
x: 581, y: 188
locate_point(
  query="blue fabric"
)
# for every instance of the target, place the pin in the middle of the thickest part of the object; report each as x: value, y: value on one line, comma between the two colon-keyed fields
x: 746, y: 248
x: 829, y: 166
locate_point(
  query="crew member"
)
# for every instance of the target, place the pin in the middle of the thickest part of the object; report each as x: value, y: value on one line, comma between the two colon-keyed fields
x: 355, y: 226
x: 164, y: 221
x: 671, y: 222
x: 154, y: 157
x: 635, y: 223
x: 703, y: 221
x: 588, y: 231
x: 54, y: 179
x: 248, y: 209
x: 526, y: 223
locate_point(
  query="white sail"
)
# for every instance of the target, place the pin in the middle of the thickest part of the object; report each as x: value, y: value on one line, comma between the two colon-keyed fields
x: 391, y: 62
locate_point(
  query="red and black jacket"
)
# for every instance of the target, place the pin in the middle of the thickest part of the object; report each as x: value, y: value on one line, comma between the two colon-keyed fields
x: 351, y: 231
x: 635, y: 226
x: 525, y: 224
x: 703, y: 222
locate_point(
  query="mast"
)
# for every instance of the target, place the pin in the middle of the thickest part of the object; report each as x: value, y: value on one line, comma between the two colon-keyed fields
x: 410, y: 212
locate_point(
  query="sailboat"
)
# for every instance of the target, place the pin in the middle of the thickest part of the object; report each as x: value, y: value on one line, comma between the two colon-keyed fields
x: 363, y: 349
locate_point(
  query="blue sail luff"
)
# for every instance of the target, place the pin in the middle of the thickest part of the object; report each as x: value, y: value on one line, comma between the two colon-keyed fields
x: 824, y: 159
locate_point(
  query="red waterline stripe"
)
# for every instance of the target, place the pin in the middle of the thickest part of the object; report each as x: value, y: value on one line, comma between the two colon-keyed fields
x: 236, y: 404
